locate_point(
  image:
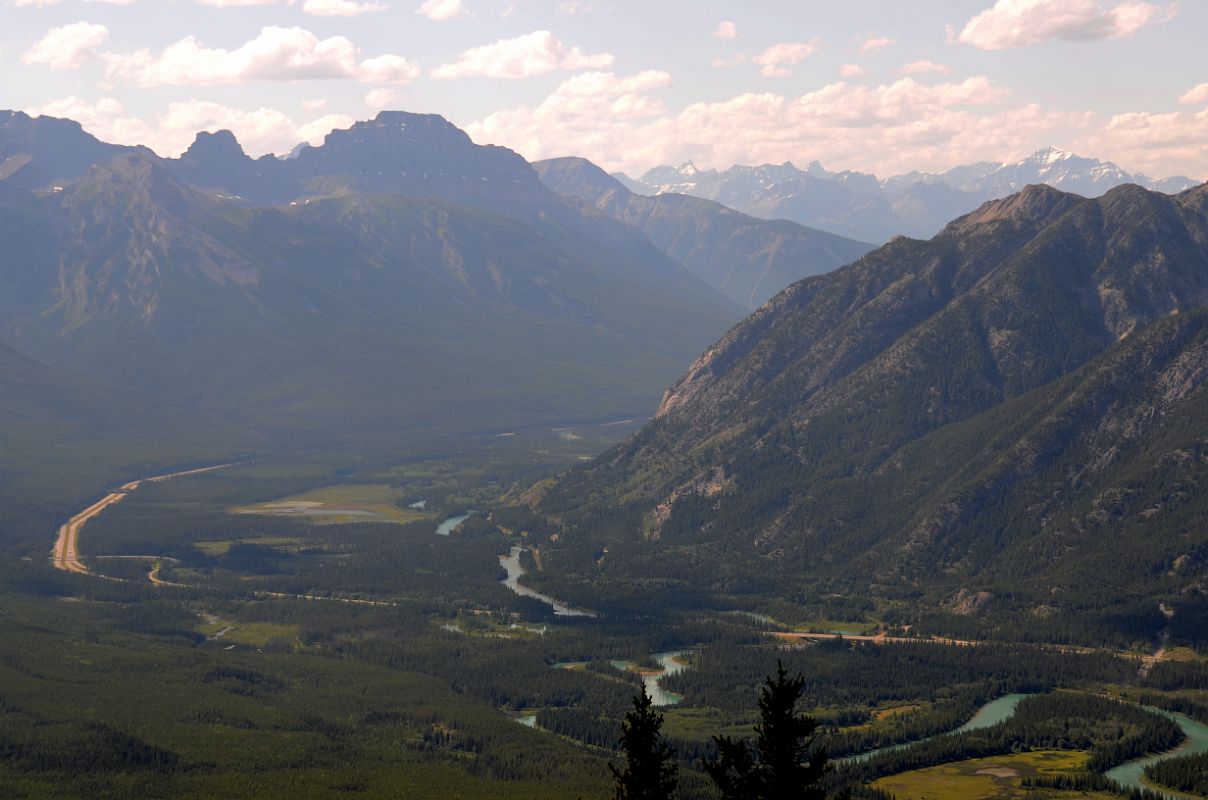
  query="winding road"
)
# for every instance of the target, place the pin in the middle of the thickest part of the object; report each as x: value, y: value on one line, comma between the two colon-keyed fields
x: 66, y: 553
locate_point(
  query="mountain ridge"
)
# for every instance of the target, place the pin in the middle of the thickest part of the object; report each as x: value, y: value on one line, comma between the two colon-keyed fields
x: 915, y: 204
x: 747, y: 259
x: 904, y: 417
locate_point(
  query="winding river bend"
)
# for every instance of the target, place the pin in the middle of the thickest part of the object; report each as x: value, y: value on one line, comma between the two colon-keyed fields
x: 987, y: 716
x: 1132, y: 774
x: 511, y: 563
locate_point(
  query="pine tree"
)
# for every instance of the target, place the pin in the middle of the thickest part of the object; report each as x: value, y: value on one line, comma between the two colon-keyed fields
x: 785, y: 762
x: 649, y: 773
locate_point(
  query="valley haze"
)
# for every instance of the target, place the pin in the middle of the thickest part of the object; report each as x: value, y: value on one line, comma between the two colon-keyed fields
x: 383, y: 415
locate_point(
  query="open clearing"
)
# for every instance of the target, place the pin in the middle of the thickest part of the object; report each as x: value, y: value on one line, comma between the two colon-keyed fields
x: 985, y: 778
x: 339, y: 504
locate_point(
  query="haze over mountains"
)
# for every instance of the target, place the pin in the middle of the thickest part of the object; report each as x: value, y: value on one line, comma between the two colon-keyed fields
x: 1016, y: 407
x: 747, y: 259
x: 399, y: 281
x: 916, y: 204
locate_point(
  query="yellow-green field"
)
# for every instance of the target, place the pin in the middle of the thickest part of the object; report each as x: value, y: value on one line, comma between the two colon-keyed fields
x: 986, y: 778
x: 219, y: 547
x: 339, y: 504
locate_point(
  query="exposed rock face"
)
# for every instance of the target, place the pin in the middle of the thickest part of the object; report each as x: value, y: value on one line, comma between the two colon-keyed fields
x: 993, y: 401
x: 747, y: 259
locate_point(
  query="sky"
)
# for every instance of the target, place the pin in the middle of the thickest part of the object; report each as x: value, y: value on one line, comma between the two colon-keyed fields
x: 880, y: 86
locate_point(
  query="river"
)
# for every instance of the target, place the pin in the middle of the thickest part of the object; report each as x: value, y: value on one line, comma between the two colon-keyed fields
x: 1132, y: 774
x: 511, y: 563
x: 670, y: 663
x: 990, y: 714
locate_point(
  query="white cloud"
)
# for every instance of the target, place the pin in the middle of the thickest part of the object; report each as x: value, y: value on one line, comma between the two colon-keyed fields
x: 891, y: 128
x: 776, y: 60
x: 725, y: 30
x: 1195, y: 95
x: 1020, y: 23
x: 387, y: 69
x: 1162, y: 144
x: 923, y: 68
x: 316, y: 104
x: 536, y: 53
x: 315, y: 131
x: 875, y: 44
x: 377, y: 99
x: 261, y: 130
x: 275, y: 54
x: 339, y: 8
x: 596, y: 114
x: 34, y: 3
x: 68, y: 46
x: 852, y: 71
x: 441, y: 10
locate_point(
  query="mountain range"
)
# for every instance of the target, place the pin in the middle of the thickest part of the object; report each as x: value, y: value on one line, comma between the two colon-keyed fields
x: 1015, y: 411
x: 916, y: 204
x: 746, y: 258
x: 397, y: 282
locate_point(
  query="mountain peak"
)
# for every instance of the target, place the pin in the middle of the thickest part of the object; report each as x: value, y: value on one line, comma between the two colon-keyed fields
x: 1037, y: 203
x: 1049, y: 155
x: 217, y: 145
x: 572, y: 175
x: 137, y: 177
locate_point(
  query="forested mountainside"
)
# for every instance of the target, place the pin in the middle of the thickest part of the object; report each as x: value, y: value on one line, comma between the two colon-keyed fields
x: 1013, y: 411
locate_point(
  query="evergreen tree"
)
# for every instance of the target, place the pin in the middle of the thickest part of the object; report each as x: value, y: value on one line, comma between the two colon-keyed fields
x: 650, y: 772
x: 785, y: 763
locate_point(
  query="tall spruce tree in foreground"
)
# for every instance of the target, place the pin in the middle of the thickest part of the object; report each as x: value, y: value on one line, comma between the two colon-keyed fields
x: 785, y: 762
x: 650, y: 772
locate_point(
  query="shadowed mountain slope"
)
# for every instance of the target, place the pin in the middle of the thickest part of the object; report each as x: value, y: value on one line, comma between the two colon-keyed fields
x: 986, y: 405
x: 747, y: 259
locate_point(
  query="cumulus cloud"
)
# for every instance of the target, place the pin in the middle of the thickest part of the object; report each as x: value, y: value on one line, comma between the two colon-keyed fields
x: 1020, y: 23
x: 441, y: 10
x: 1195, y: 95
x: 776, y: 60
x: 68, y: 46
x: 537, y: 53
x: 377, y: 99
x: 598, y: 114
x: 725, y: 30
x: 261, y: 130
x: 852, y: 71
x: 275, y: 54
x: 875, y: 44
x: 923, y: 68
x: 616, y: 122
x: 1157, y: 143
